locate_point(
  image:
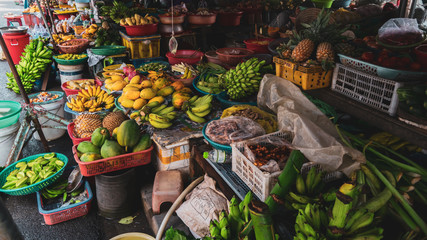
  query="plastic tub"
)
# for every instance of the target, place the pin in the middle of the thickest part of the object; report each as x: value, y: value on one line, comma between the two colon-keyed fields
x: 227, y: 55
x: 168, y: 19
x: 229, y: 18
x: 184, y: 56
x: 256, y: 46
x: 202, y: 19
x: 69, y: 212
x: 75, y: 140
x: 141, y: 30
x: 7, y: 137
x: 70, y: 72
x: 12, y: 114
x: 16, y: 45
x: 55, y: 106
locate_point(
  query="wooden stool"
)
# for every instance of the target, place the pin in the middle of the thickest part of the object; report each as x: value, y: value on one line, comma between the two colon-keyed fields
x: 13, y: 19
x: 166, y: 188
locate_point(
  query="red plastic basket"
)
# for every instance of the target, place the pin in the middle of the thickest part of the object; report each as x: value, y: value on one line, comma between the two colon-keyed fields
x: 59, y: 215
x: 69, y: 92
x: 184, y: 56
x: 228, y: 56
x: 141, y: 30
x: 113, y: 163
x: 76, y: 141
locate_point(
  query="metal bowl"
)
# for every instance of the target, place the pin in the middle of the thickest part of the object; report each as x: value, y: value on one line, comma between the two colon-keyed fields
x: 14, y: 30
x: 167, y: 29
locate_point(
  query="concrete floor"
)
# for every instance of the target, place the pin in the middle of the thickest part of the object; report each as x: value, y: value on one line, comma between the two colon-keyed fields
x: 24, y: 208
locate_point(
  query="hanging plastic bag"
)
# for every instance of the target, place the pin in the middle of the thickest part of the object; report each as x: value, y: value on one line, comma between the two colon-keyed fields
x: 400, y: 32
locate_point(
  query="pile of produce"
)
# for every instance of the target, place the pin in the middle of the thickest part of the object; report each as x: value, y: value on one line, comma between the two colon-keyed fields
x: 56, y: 193
x: 198, y: 108
x: 126, y: 138
x: 265, y: 119
x: 69, y: 56
x: 34, y: 61
x: 153, y: 66
x: 85, y: 124
x: 43, y: 97
x: 211, y: 78
x: 413, y: 99
x: 107, y: 36
x: 243, y: 81
x: 93, y: 100
x: 138, y: 20
x: 233, y: 129
x: 159, y: 115
x: 80, y: 84
x: 266, y: 152
x: 33, y: 171
x: 59, y: 38
x: 116, y: 12
x: 90, y: 32
x: 185, y: 69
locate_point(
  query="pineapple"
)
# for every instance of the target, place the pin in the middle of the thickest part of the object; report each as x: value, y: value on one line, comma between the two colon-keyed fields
x: 345, y: 48
x: 325, y: 52
x: 287, y: 54
x: 303, y: 50
x: 86, y: 123
x: 113, y: 120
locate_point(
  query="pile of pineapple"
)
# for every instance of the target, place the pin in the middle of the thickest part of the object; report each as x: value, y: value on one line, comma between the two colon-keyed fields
x: 314, y: 44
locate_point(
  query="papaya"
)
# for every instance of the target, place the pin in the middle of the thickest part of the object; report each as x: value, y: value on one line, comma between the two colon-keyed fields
x: 90, y: 156
x: 99, y: 136
x: 143, y: 144
x: 177, y: 85
x: 166, y: 91
x: 147, y: 93
x: 118, y: 85
x: 132, y: 95
x: 86, y: 146
x: 160, y: 83
x: 128, y: 133
x: 139, y: 103
x: 177, y: 102
x: 127, y: 103
x: 146, y: 84
x: 135, y: 79
x: 159, y: 99
x: 115, y: 78
x: 111, y: 149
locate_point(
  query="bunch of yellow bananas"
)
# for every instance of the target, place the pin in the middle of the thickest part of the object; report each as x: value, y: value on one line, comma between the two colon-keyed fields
x: 138, y: 20
x: 153, y: 75
x: 93, y: 99
x: 187, y: 73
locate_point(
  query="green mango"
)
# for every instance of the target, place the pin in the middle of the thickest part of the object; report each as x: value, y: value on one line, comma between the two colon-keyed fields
x: 111, y: 149
x: 89, y: 157
x: 99, y: 136
x: 86, y: 146
x: 143, y: 144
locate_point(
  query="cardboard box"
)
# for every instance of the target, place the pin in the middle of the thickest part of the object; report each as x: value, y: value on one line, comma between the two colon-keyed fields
x: 171, y: 157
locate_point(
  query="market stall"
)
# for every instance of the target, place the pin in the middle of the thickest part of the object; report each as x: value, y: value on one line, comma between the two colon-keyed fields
x: 299, y: 120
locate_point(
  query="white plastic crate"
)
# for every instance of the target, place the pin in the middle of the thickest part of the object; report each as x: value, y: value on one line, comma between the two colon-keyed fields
x: 371, y: 90
x: 261, y: 183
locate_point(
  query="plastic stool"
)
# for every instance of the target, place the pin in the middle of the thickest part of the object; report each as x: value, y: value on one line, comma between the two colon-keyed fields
x: 166, y: 188
x: 13, y: 19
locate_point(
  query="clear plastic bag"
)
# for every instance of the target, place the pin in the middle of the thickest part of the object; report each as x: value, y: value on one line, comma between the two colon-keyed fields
x: 400, y: 32
x: 233, y: 129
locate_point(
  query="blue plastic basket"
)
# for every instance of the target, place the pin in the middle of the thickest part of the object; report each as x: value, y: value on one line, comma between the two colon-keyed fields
x: 387, y: 73
x: 226, y: 148
x: 12, y: 116
x: 222, y: 98
x: 36, y: 186
x: 118, y: 105
x: 195, y: 81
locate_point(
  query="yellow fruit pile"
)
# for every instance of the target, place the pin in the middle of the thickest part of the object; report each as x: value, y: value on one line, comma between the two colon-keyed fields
x: 93, y: 99
x: 59, y: 38
x: 90, y: 32
x: 138, y: 20
x: 115, y: 83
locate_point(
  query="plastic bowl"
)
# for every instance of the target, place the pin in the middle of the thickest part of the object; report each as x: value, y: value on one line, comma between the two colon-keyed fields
x: 75, y: 49
x: 184, y: 56
x: 226, y: 103
x: 12, y: 115
x: 71, y: 62
x: 141, y: 30
x: 226, y: 148
x: 36, y: 186
x: 254, y: 45
x: 202, y: 19
x: 229, y: 18
x: 168, y: 19
x: 232, y: 56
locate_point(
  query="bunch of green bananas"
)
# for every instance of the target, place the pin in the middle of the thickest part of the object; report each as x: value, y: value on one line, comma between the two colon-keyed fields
x: 34, y: 61
x: 115, y: 12
x: 244, y: 81
x: 311, y: 222
x: 161, y: 116
x: 229, y: 226
x: 198, y: 107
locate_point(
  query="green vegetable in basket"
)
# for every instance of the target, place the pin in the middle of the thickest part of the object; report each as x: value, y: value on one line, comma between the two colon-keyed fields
x: 154, y: 66
x: 33, y: 171
x: 413, y: 99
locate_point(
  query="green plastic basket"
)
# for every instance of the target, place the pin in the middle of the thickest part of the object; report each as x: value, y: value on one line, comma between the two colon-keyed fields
x: 226, y: 148
x: 12, y: 116
x: 36, y: 186
x: 71, y: 62
x: 109, y: 50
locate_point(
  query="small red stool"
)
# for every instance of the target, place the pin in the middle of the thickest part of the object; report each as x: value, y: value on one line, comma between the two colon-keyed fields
x: 13, y: 19
x: 166, y: 188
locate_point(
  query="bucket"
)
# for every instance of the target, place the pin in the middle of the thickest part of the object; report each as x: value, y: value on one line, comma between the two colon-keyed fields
x: 16, y: 44
x: 7, y: 137
x: 70, y: 72
x: 116, y: 193
x: 56, y: 107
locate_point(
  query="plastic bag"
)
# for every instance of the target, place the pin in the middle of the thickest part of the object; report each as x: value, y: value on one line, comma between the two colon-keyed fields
x: 233, y: 129
x: 400, y: 32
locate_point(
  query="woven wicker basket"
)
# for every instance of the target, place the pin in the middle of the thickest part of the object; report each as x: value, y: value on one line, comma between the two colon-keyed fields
x: 308, y: 16
x: 74, y: 49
